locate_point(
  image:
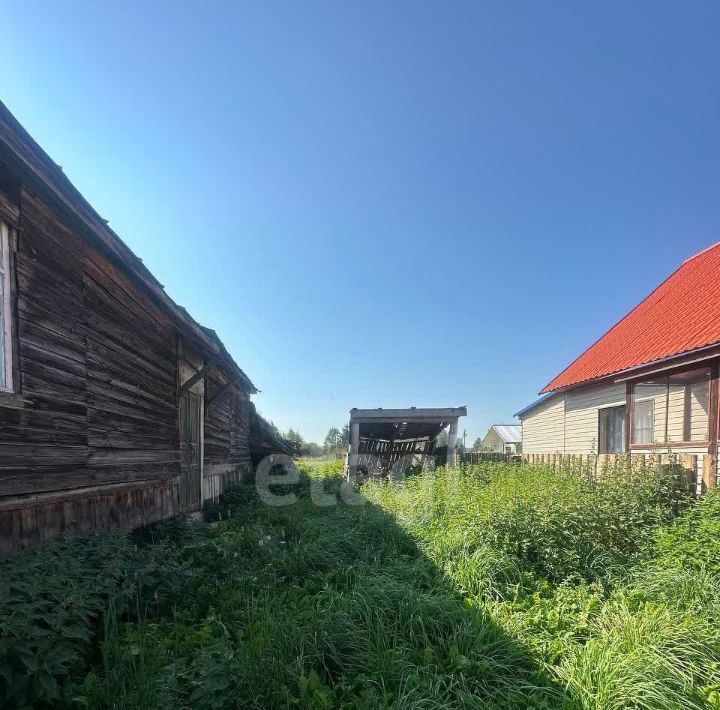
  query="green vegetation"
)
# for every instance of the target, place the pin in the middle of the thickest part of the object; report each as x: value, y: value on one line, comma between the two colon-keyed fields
x: 490, y: 587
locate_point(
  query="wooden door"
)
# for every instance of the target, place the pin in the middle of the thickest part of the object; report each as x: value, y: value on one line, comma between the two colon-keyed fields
x: 190, y: 450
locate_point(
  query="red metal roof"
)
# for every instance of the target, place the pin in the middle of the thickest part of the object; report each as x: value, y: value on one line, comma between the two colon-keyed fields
x: 679, y: 316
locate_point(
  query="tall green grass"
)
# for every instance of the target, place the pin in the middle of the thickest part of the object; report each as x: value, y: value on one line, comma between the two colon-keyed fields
x: 488, y: 587
x: 618, y: 601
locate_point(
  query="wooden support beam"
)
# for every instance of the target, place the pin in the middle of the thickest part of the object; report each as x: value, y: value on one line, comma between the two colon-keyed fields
x: 220, y: 393
x: 709, y: 476
x: 710, y: 464
x: 446, y: 414
x: 452, y: 436
x: 203, y: 372
x: 354, y: 449
x: 628, y: 416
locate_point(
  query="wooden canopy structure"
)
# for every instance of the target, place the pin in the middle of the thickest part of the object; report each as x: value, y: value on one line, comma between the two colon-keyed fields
x: 387, y: 436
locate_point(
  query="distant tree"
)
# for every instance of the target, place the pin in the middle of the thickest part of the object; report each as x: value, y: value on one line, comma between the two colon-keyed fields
x: 295, y: 436
x: 310, y: 448
x: 333, y: 439
x: 442, y: 440
x: 477, y: 446
x: 337, y: 439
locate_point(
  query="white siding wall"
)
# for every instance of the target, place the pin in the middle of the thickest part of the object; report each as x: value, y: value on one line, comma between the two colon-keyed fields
x: 543, y: 429
x: 493, y: 441
x: 581, y: 416
x: 699, y: 408
x: 568, y: 423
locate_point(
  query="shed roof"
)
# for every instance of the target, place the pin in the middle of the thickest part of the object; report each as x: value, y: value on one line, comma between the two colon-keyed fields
x: 404, y: 424
x: 509, y: 433
x: 680, y: 316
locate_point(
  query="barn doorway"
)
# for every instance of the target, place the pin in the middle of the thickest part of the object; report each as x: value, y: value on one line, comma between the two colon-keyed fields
x: 191, y: 410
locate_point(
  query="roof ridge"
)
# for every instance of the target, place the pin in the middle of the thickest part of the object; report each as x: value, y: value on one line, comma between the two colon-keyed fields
x: 701, y: 252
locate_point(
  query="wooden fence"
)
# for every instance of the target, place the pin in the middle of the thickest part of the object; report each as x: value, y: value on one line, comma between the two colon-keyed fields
x: 699, y: 471
x: 482, y: 457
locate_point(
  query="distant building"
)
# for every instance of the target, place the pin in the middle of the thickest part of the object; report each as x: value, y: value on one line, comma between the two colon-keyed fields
x: 503, y: 439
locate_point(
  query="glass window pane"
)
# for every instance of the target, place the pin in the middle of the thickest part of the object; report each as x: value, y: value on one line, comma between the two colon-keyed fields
x: 612, y: 430
x: 672, y: 409
x: 689, y: 405
x: 654, y: 391
x: 643, y: 421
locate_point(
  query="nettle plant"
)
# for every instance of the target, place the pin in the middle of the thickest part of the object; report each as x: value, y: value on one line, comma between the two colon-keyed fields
x: 51, y: 601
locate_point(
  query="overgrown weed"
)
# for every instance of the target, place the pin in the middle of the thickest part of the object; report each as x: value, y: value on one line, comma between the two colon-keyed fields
x: 489, y: 587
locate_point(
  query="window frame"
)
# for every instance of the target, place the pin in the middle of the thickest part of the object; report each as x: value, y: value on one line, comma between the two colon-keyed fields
x: 663, y: 378
x: 633, y: 412
x: 604, y: 412
x: 6, y: 243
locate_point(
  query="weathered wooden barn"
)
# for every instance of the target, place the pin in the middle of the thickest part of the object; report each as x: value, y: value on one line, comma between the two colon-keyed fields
x: 117, y: 409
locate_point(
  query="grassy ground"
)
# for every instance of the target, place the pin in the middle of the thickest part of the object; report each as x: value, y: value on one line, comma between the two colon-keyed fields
x: 493, y: 587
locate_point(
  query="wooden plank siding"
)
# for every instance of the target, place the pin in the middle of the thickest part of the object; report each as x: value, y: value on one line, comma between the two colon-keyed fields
x: 568, y: 422
x: 581, y: 415
x: 90, y: 441
x: 227, y: 438
x: 543, y: 431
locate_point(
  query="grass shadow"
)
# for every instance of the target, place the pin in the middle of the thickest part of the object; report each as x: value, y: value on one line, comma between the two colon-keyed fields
x: 315, y: 607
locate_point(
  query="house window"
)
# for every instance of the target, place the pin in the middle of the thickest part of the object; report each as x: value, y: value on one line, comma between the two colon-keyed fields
x: 6, y: 383
x: 672, y: 410
x: 611, y: 430
x: 643, y: 423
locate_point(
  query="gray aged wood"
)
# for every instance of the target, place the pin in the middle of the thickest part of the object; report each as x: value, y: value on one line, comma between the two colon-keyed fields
x: 92, y: 437
x: 452, y: 436
x: 190, y: 450
x: 396, y: 436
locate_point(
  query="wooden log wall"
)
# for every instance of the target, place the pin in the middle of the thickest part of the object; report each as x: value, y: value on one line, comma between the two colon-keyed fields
x: 96, y: 417
x: 227, y: 438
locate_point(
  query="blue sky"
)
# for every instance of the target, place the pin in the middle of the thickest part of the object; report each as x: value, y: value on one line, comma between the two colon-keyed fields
x: 386, y: 204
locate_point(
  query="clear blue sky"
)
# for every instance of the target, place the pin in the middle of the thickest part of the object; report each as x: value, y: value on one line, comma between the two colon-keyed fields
x: 386, y: 203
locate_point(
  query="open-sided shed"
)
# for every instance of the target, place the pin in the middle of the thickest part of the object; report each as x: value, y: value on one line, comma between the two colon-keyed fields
x: 391, y: 435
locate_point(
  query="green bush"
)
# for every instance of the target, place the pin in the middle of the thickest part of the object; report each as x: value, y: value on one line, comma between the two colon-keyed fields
x: 693, y: 541
x: 519, y: 520
x: 51, y: 601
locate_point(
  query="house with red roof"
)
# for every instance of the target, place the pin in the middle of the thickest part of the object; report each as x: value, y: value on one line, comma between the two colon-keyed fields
x: 649, y: 384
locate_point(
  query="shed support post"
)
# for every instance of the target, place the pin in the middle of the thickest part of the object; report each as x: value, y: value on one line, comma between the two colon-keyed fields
x: 354, y: 450
x: 452, y: 436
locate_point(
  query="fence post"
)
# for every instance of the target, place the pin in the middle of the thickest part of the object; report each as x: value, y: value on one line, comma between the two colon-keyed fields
x: 602, y: 465
x: 709, y: 478
x: 689, y: 463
